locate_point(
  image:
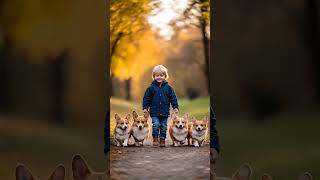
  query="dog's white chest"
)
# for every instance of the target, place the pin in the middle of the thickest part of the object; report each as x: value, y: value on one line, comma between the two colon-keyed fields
x: 121, y: 135
x: 180, y: 134
x: 198, y: 135
x: 140, y: 134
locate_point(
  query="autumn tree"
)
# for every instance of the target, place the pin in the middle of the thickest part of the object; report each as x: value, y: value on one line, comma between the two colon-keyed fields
x: 127, y: 22
x: 195, y: 14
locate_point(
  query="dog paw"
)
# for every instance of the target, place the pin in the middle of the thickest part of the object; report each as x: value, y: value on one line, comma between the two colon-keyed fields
x: 196, y: 144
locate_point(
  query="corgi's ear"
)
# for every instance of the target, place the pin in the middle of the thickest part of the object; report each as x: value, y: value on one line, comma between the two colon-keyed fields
x: 266, y: 177
x: 205, y: 120
x: 173, y: 115
x: 80, y: 168
x: 305, y: 176
x: 117, y: 117
x: 135, y: 115
x: 193, y: 120
x: 23, y: 173
x: 146, y: 115
x: 58, y: 174
x: 244, y: 173
x: 186, y: 116
x: 128, y: 117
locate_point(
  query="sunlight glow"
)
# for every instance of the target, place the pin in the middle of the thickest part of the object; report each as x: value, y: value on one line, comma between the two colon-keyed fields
x: 161, y: 18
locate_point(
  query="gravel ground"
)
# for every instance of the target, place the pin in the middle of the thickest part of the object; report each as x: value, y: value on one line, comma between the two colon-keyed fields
x: 165, y: 163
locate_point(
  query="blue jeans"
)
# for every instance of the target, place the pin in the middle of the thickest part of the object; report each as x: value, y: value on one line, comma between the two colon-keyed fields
x: 159, y: 123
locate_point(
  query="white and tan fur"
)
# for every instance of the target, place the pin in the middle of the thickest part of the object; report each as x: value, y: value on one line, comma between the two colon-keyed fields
x: 23, y: 173
x: 81, y: 170
x: 197, y: 131
x: 140, y: 128
x: 122, y: 130
x: 178, y: 129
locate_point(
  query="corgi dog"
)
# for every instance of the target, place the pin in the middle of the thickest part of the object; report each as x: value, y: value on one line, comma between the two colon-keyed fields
x: 122, y: 130
x: 197, y: 131
x: 23, y: 173
x: 81, y: 170
x: 178, y: 129
x: 140, y: 128
x: 305, y: 176
x: 245, y: 173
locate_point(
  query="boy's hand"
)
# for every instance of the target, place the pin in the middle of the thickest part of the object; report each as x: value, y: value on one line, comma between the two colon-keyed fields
x: 176, y: 110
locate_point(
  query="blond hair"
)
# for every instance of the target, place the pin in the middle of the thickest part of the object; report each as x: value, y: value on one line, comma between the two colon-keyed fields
x: 160, y: 69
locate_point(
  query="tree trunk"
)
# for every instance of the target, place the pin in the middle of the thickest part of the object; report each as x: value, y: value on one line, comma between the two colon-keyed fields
x: 306, y: 22
x: 5, y: 101
x: 113, y: 49
x: 312, y: 38
x: 206, y: 48
x: 57, y: 67
x: 111, y: 84
x: 128, y: 88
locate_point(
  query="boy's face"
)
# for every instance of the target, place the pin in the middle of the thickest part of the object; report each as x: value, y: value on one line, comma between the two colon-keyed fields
x: 159, y: 77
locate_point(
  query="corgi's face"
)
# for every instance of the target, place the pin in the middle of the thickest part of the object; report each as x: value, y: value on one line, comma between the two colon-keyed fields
x: 81, y: 171
x: 140, y: 121
x: 199, y: 125
x: 179, y: 122
x: 122, y: 123
x: 23, y: 173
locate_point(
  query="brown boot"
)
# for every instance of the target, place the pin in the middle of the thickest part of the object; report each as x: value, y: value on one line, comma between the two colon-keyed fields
x: 156, y: 141
x: 162, y: 142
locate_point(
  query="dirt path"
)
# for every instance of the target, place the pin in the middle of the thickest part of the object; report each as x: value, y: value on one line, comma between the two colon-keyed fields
x: 148, y: 163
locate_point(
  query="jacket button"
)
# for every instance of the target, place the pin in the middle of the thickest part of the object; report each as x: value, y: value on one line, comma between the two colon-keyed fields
x: 160, y: 102
x: 160, y: 94
x: 160, y: 114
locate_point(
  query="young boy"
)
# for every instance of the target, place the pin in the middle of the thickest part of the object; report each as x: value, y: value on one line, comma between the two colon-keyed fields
x: 157, y: 99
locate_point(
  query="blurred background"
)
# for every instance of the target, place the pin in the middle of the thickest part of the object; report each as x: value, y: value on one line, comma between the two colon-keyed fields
x: 264, y: 74
x: 53, y: 69
x: 265, y: 85
x: 144, y: 33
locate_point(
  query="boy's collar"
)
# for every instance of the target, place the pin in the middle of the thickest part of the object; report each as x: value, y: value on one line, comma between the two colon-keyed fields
x: 157, y: 83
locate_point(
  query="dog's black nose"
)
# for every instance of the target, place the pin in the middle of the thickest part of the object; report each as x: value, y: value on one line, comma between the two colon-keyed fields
x: 180, y: 126
x: 125, y: 127
x: 140, y: 127
x: 198, y: 129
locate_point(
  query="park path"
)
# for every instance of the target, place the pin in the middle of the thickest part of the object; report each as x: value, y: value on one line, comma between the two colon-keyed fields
x: 165, y: 163
x: 148, y: 163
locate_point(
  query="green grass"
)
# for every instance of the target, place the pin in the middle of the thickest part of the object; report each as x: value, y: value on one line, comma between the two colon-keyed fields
x: 42, y: 146
x: 284, y: 147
